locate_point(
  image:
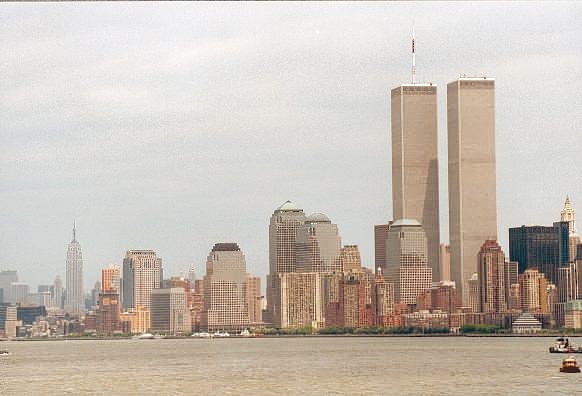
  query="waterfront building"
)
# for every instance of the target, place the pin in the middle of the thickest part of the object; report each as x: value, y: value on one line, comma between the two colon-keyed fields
x: 8, y: 321
x: 283, y: 228
x: 75, y: 297
x: 573, y: 315
x: 569, y: 215
x: 533, y: 291
x: 350, y: 299
x: 415, y: 182
x: 350, y: 258
x: 111, y: 278
x: 472, y: 177
x: 225, y: 302
x: 539, y: 247
x: 384, y: 299
x: 108, y: 311
x: 254, y: 299
x: 526, y: 324
x: 300, y: 297
x: 142, y: 273
x: 442, y: 296
x: 380, y: 237
x: 514, y: 301
x: 511, y: 277
x: 28, y: 315
x: 426, y: 320
x: 169, y: 312
x: 318, y: 245
x: 491, y: 275
x: 406, y: 260
x: 135, y: 320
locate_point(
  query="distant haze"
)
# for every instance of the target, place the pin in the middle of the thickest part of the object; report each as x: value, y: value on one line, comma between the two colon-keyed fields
x: 172, y: 126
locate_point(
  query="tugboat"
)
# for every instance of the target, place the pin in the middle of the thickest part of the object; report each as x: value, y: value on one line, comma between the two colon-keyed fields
x: 563, y: 345
x: 569, y: 365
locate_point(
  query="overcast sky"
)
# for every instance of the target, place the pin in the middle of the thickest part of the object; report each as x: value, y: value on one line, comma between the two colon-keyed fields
x: 175, y: 126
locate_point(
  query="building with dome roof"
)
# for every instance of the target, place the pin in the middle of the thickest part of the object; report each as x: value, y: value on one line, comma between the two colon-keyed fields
x: 283, y: 227
x: 318, y: 245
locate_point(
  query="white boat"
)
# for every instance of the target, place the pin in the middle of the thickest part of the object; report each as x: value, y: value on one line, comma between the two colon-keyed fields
x: 221, y: 334
x: 205, y: 335
x: 146, y: 336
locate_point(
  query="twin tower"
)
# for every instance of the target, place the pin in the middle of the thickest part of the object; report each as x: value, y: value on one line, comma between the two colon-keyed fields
x: 471, y: 168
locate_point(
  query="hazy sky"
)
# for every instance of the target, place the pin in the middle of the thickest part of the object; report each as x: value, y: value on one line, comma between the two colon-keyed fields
x: 174, y: 126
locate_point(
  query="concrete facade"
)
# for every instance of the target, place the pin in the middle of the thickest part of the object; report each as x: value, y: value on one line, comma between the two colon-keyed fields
x: 472, y: 174
x: 415, y: 181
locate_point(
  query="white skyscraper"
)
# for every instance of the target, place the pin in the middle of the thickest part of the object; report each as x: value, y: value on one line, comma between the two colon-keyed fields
x: 75, y: 299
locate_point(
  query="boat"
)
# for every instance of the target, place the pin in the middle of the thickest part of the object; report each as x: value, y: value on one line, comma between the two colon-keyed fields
x: 569, y: 365
x: 146, y: 336
x: 563, y: 345
x: 4, y: 353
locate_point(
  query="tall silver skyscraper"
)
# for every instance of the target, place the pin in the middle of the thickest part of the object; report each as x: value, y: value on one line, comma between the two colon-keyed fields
x: 415, y: 180
x: 75, y: 299
x: 472, y: 178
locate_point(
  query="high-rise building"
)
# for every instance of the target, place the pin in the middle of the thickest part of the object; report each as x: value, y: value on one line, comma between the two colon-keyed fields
x: 384, y: 298
x: 108, y: 311
x: 300, y: 297
x: 472, y: 178
x: 142, y: 273
x: 8, y: 320
x: 350, y: 258
x: 415, y: 180
x: 58, y: 292
x: 19, y: 293
x: 318, y: 245
x: 169, y: 312
x: 491, y: 275
x: 533, y: 291
x: 539, y: 247
x: 473, y: 293
x: 75, y: 298
x: 568, y: 215
x: 380, y: 237
x: 254, y: 299
x: 283, y: 228
x: 406, y: 261
x: 111, y: 278
x: 225, y: 303
x: 7, y: 278
x: 350, y: 299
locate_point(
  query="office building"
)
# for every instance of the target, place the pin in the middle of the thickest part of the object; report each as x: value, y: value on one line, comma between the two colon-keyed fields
x: 75, y: 297
x: 533, y: 291
x: 380, y: 237
x: 569, y: 215
x: 142, y: 273
x: 491, y: 275
x: 445, y: 262
x: 540, y: 247
x: 318, y: 245
x: 406, y: 261
x: 225, y: 302
x: 111, y: 278
x: 254, y: 299
x: 472, y: 177
x: 169, y: 312
x: 8, y: 320
x: 415, y: 181
x: 300, y: 296
x: 6, y: 279
x: 283, y: 228
x: 108, y: 311
x: 350, y: 258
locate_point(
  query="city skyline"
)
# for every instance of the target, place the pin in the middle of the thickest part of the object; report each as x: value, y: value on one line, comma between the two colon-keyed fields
x: 84, y: 154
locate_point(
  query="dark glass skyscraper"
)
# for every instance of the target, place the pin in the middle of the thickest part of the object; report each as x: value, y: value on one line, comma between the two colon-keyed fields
x: 540, y: 247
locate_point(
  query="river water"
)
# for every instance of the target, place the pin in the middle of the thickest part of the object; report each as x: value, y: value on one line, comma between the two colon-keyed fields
x: 278, y: 366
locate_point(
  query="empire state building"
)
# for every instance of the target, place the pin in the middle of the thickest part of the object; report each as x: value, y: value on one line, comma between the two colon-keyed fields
x: 74, y: 301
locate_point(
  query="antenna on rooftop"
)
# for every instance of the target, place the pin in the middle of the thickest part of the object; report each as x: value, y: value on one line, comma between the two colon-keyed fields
x: 413, y: 58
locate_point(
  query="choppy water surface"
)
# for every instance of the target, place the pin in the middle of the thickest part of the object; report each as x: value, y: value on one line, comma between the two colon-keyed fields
x: 277, y: 366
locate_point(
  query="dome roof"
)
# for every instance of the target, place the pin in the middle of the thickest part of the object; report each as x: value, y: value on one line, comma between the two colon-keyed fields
x: 406, y: 222
x: 317, y: 218
x: 288, y: 205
